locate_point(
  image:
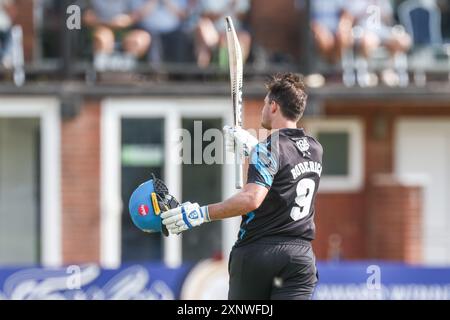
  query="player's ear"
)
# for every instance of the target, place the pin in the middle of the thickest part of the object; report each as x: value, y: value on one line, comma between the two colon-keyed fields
x: 274, y: 107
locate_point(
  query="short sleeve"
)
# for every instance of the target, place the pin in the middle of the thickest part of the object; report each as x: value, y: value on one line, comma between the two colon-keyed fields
x: 263, y: 165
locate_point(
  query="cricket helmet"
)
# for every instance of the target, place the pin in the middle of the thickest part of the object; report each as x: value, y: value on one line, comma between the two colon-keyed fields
x: 147, y: 203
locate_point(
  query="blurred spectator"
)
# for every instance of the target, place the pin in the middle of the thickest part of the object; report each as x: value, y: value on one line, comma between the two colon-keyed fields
x: 373, y: 22
x: 8, y: 13
x: 163, y: 19
x: 374, y: 19
x: 331, y: 25
x: 444, y: 5
x: 113, y: 21
x: 193, y: 13
x: 189, y: 27
x: 210, y: 33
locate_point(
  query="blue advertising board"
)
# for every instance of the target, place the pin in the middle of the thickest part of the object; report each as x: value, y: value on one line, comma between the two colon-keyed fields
x: 381, y: 281
x: 154, y: 281
x: 90, y: 282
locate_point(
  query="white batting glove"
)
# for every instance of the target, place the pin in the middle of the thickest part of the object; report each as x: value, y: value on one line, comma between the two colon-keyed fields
x: 186, y: 216
x: 244, y: 140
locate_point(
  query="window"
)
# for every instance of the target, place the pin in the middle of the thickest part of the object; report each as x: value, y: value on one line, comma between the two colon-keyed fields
x: 335, y: 159
x: 205, y: 242
x: 30, y: 132
x: 20, y: 191
x: 342, y: 141
x: 142, y: 154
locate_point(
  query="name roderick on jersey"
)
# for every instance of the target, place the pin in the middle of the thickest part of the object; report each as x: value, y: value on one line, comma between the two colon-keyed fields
x: 289, y: 164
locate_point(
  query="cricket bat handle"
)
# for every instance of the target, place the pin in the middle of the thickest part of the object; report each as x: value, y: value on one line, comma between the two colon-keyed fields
x: 239, y: 174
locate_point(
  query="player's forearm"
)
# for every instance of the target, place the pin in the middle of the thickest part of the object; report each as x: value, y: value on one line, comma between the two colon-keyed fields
x: 238, y: 205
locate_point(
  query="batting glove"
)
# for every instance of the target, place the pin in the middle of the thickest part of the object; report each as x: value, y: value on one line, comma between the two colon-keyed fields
x: 185, y: 217
x: 244, y: 140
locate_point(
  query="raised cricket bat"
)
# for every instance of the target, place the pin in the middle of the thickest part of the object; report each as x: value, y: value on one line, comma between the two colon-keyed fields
x: 236, y: 80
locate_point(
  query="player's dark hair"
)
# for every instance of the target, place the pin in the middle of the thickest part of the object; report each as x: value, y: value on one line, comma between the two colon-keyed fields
x: 288, y: 91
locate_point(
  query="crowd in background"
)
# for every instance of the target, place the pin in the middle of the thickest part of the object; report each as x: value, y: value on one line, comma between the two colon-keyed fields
x: 164, y: 29
x: 339, y: 26
x: 351, y: 33
x: 333, y: 22
x: 167, y: 31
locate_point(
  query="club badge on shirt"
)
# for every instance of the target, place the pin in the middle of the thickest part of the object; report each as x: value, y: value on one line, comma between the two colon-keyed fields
x: 303, y: 146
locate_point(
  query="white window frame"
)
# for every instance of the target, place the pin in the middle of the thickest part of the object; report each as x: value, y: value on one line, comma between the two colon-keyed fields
x: 172, y: 110
x: 47, y: 110
x: 353, y: 182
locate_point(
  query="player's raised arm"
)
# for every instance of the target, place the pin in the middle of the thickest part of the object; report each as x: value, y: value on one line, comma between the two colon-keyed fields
x: 190, y: 215
x: 245, y: 201
x: 262, y: 169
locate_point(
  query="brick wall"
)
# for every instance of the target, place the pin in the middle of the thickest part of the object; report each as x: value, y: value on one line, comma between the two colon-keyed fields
x: 394, y: 221
x: 402, y: 204
x: 81, y: 185
x: 340, y: 226
x: 25, y: 18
